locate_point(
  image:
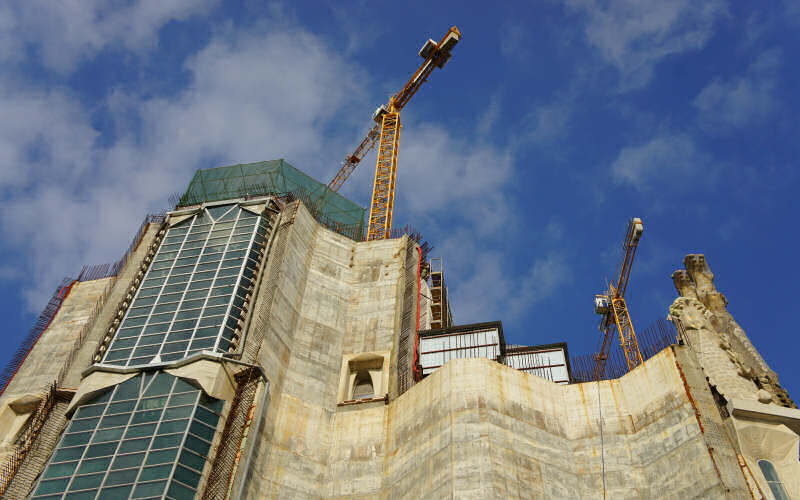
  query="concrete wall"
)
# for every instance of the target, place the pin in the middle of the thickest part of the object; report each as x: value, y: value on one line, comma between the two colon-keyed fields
x: 49, y: 353
x: 325, y: 297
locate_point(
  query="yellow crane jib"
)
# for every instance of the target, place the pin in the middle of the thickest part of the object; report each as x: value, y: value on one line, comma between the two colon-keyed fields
x: 614, y: 310
x: 386, y: 134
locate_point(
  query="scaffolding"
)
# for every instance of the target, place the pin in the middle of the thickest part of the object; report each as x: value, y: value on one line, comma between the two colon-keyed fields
x: 441, y: 315
x: 277, y: 178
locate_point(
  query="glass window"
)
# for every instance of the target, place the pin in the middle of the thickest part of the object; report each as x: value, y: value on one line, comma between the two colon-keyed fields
x: 133, y: 456
x: 189, y: 287
x: 774, y: 482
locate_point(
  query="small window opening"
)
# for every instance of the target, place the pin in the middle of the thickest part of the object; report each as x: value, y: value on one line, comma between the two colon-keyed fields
x: 362, y: 386
x: 774, y: 482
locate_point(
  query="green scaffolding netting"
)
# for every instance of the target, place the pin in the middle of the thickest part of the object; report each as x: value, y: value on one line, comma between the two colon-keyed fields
x: 277, y: 177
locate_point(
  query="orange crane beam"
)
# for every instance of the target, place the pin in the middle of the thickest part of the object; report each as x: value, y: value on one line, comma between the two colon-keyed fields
x: 614, y: 309
x: 386, y: 133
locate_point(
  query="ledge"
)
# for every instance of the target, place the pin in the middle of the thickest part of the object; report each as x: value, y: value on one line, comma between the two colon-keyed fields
x: 742, y: 408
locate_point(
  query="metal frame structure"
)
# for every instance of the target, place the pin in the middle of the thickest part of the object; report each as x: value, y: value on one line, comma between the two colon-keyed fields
x: 382, y: 206
x: 614, y: 309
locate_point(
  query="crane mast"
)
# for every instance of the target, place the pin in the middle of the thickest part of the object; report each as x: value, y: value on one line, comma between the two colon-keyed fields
x: 614, y: 309
x: 386, y: 134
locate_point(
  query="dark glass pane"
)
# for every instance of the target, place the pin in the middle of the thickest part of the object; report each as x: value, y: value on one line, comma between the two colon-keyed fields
x: 149, y: 489
x: 211, y: 403
x: 81, y: 495
x: 64, y: 454
x: 183, y: 386
x: 108, y: 435
x: 168, y: 441
x: 89, y: 411
x: 205, y: 343
x: 132, y: 445
x: 175, y: 347
x: 202, y: 430
x: 162, y: 456
x: 191, y: 460
x: 76, y: 439
x: 197, y: 445
x: 86, y: 482
x: 179, y: 412
x: 124, y: 407
x: 58, y: 470
x: 207, y: 417
x: 126, y: 461
x: 157, y: 472
x: 114, y: 420
x: 94, y: 465
x: 128, y: 389
x: 152, y: 403
x: 83, y: 425
x: 52, y: 486
x: 186, y: 476
x: 115, y: 493
x: 116, y: 355
x: 183, y: 399
x: 141, y: 417
x: 141, y: 430
x: 173, y: 426
x: 180, y: 492
x: 102, y: 450
x: 122, y: 476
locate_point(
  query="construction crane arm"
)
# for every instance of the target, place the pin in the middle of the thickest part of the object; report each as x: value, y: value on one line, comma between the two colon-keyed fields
x: 436, y: 55
x: 351, y: 162
x: 614, y: 309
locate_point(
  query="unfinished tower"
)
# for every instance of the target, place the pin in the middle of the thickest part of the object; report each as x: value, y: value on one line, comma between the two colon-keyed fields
x: 252, y: 345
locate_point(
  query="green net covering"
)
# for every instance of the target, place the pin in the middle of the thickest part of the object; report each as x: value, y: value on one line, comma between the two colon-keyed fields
x: 277, y: 178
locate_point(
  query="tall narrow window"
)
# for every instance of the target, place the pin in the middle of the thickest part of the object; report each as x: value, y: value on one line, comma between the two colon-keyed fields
x: 774, y: 482
x: 189, y: 300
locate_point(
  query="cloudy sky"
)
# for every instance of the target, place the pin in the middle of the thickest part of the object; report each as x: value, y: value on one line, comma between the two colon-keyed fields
x: 554, y: 122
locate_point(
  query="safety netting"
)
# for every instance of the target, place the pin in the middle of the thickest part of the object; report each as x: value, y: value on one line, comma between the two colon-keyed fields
x: 277, y: 178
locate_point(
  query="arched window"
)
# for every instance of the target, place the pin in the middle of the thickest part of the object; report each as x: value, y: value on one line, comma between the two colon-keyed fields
x: 774, y: 482
x: 362, y: 386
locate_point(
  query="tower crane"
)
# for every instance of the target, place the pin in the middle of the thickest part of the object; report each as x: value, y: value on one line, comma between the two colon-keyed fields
x: 614, y: 310
x: 386, y: 133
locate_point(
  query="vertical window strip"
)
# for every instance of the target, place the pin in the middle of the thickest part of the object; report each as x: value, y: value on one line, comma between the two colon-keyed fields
x: 240, y: 274
x: 185, y: 291
x: 238, y: 221
x: 214, y: 282
x: 156, y: 297
x: 160, y: 294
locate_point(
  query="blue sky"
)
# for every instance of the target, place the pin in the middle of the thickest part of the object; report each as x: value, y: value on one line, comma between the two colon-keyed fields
x: 521, y: 161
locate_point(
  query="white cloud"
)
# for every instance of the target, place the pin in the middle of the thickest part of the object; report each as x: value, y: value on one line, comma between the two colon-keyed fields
x: 742, y: 100
x: 485, y: 286
x: 68, y: 31
x: 634, y: 35
x: 661, y: 160
x: 70, y: 199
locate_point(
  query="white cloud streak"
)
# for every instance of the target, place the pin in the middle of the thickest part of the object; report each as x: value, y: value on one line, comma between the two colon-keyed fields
x: 633, y: 35
x: 67, y: 32
x: 660, y: 160
x: 743, y: 100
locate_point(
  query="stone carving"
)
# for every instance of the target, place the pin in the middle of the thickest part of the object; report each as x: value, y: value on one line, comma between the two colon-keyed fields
x: 729, y: 359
